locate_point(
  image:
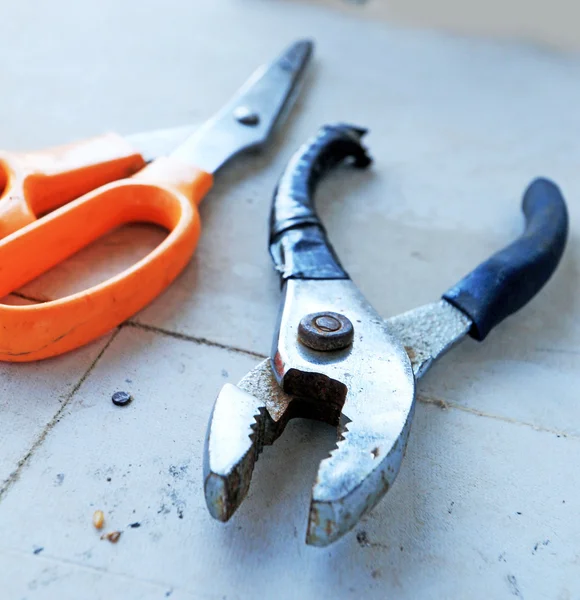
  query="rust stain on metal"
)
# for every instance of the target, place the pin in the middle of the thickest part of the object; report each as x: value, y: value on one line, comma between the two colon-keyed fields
x: 314, y: 523
x: 222, y: 509
x: 329, y: 528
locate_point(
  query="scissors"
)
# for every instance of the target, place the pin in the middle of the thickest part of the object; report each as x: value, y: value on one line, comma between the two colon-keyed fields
x: 84, y: 190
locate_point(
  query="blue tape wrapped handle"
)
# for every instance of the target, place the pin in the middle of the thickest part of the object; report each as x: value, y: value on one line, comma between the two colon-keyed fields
x: 513, y: 276
x: 494, y: 290
x: 298, y: 243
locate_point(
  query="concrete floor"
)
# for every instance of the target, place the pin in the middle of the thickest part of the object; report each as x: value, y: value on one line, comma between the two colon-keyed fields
x: 486, y: 504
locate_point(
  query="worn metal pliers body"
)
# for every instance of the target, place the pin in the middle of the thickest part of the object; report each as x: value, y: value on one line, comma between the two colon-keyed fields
x: 336, y: 360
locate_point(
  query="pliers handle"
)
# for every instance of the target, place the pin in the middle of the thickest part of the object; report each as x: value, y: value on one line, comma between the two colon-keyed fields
x: 494, y: 290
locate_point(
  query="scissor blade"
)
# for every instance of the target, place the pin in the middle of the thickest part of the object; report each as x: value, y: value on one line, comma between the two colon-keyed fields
x: 248, y: 119
x: 161, y: 142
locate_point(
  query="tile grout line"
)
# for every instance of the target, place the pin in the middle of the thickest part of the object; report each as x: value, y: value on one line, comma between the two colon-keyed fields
x: 59, y: 560
x: 190, y: 338
x: 14, y: 476
x: 445, y: 404
x: 88, y: 567
x: 167, y: 332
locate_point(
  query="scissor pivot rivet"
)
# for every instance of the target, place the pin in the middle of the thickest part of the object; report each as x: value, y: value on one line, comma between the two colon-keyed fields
x: 325, y: 331
x: 246, y: 116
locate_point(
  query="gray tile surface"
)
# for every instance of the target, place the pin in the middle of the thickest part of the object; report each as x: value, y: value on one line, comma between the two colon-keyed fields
x: 34, y: 576
x: 458, y: 127
x: 33, y: 396
x: 467, y: 500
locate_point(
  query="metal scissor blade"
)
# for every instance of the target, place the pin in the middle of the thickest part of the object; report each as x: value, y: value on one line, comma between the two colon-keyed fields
x: 160, y: 142
x: 248, y: 119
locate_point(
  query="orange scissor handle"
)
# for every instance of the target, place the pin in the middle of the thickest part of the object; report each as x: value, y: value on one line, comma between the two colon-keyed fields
x: 166, y: 193
x: 34, y: 183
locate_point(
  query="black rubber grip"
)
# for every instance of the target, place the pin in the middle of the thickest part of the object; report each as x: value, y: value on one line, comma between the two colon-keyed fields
x: 298, y: 243
x: 511, y: 278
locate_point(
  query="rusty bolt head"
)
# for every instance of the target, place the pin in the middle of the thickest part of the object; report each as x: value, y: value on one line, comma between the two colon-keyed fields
x: 325, y: 331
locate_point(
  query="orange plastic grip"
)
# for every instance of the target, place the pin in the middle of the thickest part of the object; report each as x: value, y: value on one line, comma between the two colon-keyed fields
x: 34, y: 183
x: 165, y: 193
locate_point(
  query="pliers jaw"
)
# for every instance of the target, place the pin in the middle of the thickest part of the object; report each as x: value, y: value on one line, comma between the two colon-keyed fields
x: 333, y: 359
x: 365, y: 390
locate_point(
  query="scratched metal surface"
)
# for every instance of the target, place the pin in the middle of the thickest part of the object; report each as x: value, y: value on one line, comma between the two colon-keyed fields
x: 486, y: 501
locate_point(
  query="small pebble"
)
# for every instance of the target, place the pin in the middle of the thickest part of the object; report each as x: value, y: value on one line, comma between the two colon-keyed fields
x: 112, y: 536
x: 121, y: 398
x: 99, y: 519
